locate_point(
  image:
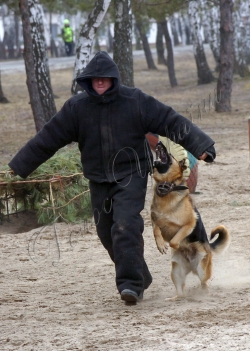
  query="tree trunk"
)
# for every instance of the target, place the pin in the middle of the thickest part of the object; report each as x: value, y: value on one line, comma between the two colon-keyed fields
x: 160, y: 45
x: 146, y: 47
x: 3, y: 99
x: 95, y: 44
x: 138, y: 42
x: 36, y: 64
x: 3, y: 55
x: 246, y: 14
x: 183, y: 30
x: 175, y: 30
x: 170, y: 57
x: 211, y: 20
x: 52, y: 41
x: 110, y: 40
x: 2, y: 51
x: 37, y: 22
x: 204, y: 73
x: 240, y: 45
x: 32, y: 83
x: 17, y: 42
x: 224, y: 85
x: 123, y: 52
x: 9, y: 42
x: 185, y: 23
x: 86, y: 38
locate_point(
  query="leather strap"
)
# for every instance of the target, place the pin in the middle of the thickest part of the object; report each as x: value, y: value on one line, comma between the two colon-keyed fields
x: 165, y: 188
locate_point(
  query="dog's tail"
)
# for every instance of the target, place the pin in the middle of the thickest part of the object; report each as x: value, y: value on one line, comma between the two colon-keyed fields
x: 223, y: 241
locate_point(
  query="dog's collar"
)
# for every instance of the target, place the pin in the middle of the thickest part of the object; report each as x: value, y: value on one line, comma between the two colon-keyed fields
x: 164, y: 188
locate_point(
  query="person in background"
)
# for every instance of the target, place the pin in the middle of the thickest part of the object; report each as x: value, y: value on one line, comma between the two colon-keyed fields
x: 109, y: 121
x: 67, y: 35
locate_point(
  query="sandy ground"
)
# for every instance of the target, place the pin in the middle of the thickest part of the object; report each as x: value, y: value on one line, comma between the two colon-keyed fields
x: 57, y: 289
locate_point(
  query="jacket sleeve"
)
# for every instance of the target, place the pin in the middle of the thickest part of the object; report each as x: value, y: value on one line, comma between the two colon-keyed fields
x: 58, y: 132
x: 163, y: 120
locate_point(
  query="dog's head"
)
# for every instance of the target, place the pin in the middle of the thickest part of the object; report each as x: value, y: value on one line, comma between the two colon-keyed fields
x: 166, y: 167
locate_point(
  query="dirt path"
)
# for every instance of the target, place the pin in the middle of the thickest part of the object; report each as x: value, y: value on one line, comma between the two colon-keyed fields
x: 57, y: 288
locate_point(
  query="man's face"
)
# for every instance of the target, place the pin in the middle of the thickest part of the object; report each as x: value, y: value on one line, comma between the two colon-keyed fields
x: 100, y: 85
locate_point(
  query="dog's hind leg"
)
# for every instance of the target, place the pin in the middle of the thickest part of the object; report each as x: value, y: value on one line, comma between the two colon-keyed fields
x: 204, y: 270
x: 179, y: 271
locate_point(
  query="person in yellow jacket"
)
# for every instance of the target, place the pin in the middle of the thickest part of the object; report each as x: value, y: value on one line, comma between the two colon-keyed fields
x: 67, y: 35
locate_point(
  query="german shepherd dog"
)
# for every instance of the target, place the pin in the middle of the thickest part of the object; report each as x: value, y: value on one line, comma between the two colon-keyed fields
x: 176, y: 221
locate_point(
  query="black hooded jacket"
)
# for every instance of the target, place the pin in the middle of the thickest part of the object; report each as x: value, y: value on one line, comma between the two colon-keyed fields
x: 110, y: 129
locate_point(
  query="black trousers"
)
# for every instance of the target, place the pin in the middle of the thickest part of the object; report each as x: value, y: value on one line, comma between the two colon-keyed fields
x: 119, y: 225
x: 68, y: 48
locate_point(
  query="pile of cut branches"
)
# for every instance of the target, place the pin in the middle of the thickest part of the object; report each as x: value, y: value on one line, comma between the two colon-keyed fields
x: 57, y: 190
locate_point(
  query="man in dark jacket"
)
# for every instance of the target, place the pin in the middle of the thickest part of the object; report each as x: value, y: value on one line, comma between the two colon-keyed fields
x: 109, y: 121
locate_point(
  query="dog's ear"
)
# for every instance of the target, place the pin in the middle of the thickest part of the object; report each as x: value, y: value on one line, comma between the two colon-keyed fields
x: 183, y: 165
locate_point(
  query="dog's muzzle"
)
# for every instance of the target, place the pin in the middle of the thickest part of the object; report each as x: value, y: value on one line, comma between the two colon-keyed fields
x: 164, y: 188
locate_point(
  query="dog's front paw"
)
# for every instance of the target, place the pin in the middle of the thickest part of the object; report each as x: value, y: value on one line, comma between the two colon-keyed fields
x: 162, y: 246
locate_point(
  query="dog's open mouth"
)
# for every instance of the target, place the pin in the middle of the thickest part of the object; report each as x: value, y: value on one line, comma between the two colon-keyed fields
x: 163, y: 159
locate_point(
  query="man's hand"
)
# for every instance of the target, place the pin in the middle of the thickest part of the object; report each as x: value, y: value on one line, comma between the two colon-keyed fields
x: 208, y: 155
x: 203, y: 156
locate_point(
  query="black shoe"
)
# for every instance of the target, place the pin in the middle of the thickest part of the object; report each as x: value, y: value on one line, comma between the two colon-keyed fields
x: 131, y: 296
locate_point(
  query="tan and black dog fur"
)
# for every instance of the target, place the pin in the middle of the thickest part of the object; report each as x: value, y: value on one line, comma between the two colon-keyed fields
x: 174, y: 218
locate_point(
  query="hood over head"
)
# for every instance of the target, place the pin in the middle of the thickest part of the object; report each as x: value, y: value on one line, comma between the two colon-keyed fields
x: 101, y: 65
